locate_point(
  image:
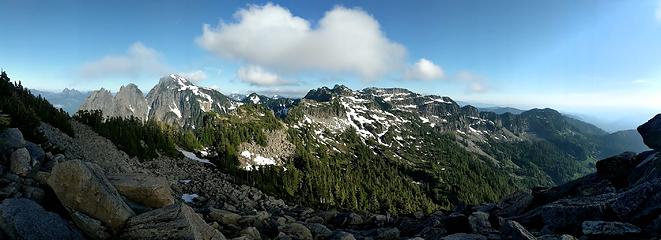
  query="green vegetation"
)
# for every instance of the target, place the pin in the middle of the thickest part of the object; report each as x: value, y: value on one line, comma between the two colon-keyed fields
x: 26, y: 110
x: 224, y: 134
x: 144, y: 140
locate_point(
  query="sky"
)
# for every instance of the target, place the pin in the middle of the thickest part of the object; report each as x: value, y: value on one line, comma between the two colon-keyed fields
x: 599, y: 59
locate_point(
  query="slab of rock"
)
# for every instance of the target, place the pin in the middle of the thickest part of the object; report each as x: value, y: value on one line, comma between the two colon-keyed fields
x: 82, y: 186
x: 651, y: 132
x: 296, y: 231
x: 93, y: 228
x: 223, y: 216
x: 514, y: 231
x: 177, y: 221
x: 21, y: 218
x: 609, y: 229
x: 150, y: 191
x: 20, y: 162
x: 10, y: 139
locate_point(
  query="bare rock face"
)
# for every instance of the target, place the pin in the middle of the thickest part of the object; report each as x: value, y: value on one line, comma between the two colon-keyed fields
x: 10, y: 139
x: 82, y: 186
x: 153, y: 192
x: 651, y: 132
x: 177, y: 221
x: 21, y: 218
x: 130, y: 101
x: 100, y: 99
x: 176, y: 100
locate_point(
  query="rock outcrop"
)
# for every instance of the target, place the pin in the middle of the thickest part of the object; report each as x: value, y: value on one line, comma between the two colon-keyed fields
x: 176, y: 221
x: 83, y: 187
x: 651, y: 132
x: 153, y: 192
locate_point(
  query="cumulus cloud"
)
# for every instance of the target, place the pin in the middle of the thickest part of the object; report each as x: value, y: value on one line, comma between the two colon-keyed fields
x: 476, y: 83
x: 194, y: 76
x: 424, y: 70
x: 345, y: 41
x: 138, y: 60
x: 258, y: 76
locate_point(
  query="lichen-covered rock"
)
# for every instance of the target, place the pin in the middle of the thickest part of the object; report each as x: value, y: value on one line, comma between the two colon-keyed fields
x: 150, y: 191
x: 177, y: 221
x: 21, y: 218
x: 20, y: 162
x: 83, y: 187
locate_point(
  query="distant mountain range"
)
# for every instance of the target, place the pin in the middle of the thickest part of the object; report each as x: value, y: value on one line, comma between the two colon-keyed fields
x: 431, y: 140
x: 67, y: 99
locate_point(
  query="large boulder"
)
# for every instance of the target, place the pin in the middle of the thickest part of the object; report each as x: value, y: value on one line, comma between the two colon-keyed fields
x: 651, y: 132
x: 150, y: 191
x: 10, y: 139
x: 296, y: 231
x: 514, y: 231
x: 617, y: 168
x: 22, y: 218
x: 609, y: 229
x: 177, y: 221
x: 82, y: 186
x: 223, y: 216
x: 566, y: 215
x: 20, y: 162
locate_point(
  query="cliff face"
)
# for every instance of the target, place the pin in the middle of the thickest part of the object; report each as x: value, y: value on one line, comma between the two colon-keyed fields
x: 100, y: 99
x: 129, y: 101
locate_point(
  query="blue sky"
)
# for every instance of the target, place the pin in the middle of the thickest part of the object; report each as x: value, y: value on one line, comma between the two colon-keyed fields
x: 600, y: 58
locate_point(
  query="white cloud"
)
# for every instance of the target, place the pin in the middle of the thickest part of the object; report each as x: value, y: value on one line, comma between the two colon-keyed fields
x: 256, y: 75
x: 194, y: 76
x: 476, y: 83
x: 424, y: 70
x: 138, y: 60
x: 345, y: 41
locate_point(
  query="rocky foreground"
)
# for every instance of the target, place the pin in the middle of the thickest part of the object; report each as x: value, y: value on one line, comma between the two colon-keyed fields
x: 84, y: 188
